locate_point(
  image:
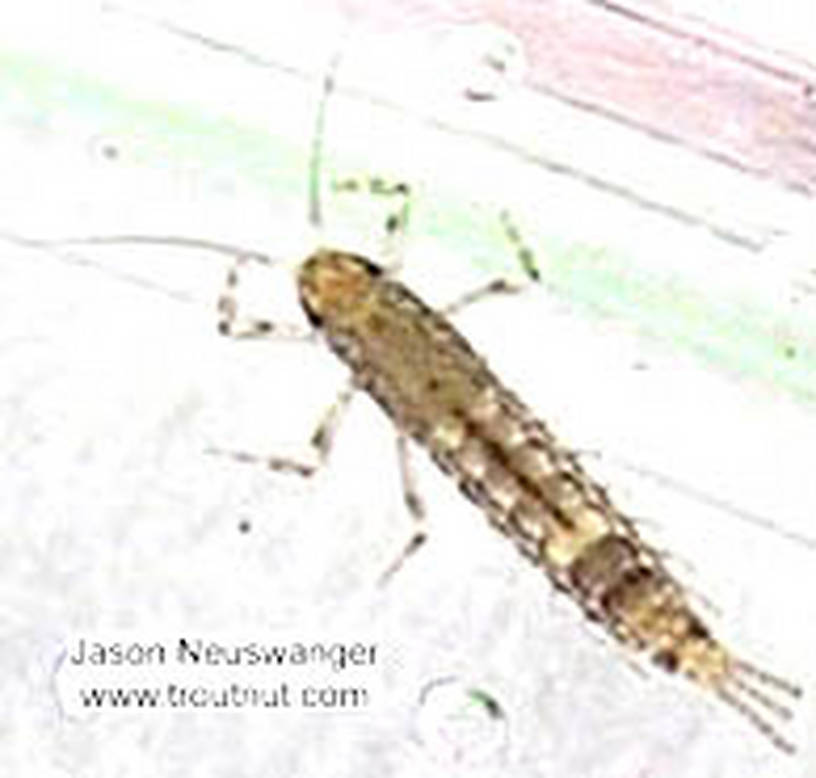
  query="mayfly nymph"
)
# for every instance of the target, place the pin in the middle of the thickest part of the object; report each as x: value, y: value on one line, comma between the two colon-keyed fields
x: 439, y: 392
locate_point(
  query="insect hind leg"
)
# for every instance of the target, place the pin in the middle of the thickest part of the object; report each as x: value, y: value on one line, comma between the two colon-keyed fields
x: 416, y: 509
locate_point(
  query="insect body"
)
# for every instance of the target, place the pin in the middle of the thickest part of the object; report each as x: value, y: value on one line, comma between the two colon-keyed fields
x: 438, y: 391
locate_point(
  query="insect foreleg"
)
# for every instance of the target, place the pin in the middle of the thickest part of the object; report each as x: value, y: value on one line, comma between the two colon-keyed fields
x: 233, y: 326
x: 396, y: 220
x: 524, y: 254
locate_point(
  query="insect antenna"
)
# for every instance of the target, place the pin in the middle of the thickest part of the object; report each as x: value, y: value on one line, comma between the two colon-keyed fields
x: 745, y: 688
x: 217, y: 247
x: 316, y: 154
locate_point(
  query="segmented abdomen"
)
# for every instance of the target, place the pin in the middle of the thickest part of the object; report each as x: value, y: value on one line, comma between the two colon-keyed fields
x: 434, y: 386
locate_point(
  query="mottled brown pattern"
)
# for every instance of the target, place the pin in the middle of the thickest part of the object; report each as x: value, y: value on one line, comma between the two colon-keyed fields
x: 437, y: 390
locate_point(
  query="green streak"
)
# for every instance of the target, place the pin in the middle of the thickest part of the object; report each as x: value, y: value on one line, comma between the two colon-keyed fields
x: 154, y: 133
x: 743, y: 336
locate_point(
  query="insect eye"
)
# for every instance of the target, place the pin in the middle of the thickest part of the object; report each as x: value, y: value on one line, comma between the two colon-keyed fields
x: 314, y: 318
x: 371, y: 269
x: 309, y: 308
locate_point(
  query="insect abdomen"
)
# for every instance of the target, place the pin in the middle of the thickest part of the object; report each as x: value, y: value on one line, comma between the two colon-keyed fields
x: 643, y: 606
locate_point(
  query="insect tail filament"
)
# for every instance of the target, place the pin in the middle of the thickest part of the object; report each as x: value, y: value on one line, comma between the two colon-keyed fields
x: 769, y: 679
x: 741, y: 689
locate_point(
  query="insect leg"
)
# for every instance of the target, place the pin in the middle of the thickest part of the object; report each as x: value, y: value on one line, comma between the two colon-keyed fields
x: 232, y: 326
x: 526, y: 260
x: 396, y: 221
x: 320, y: 442
x: 415, y: 506
x: 494, y: 287
x: 413, y: 500
x: 524, y: 254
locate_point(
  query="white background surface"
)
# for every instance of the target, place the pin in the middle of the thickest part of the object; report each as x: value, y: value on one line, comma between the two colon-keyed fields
x: 115, y: 519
